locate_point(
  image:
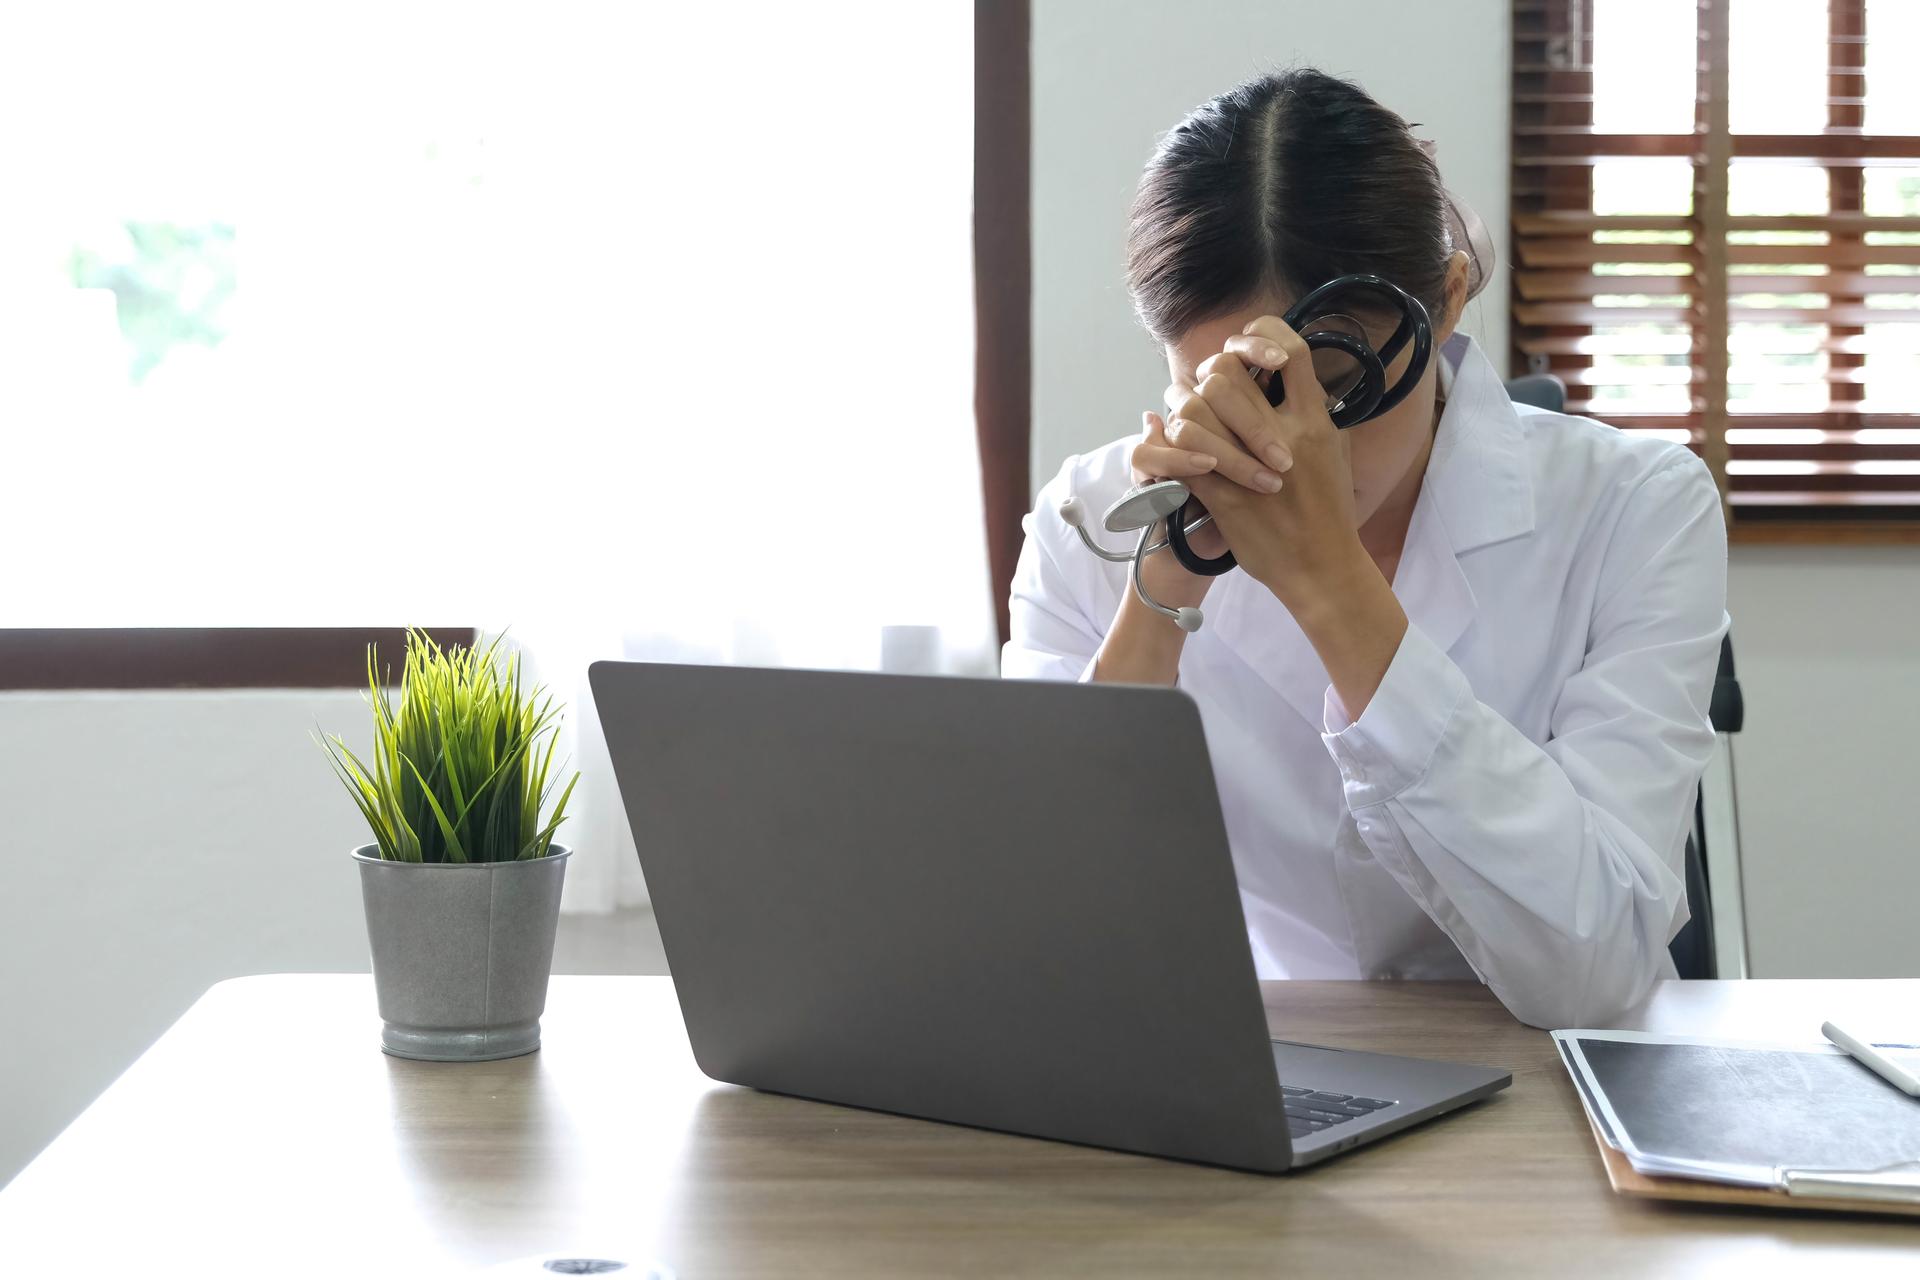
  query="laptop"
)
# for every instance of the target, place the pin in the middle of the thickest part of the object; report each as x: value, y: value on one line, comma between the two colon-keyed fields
x: 1006, y: 904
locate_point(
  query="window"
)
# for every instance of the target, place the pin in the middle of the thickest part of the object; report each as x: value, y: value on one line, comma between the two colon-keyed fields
x: 424, y: 311
x: 1716, y: 212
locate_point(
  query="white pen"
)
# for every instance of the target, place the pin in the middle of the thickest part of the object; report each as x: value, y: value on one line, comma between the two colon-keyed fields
x: 1881, y: 1065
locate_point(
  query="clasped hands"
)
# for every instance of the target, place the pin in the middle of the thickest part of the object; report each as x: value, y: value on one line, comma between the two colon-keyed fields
x: 1277, y: 479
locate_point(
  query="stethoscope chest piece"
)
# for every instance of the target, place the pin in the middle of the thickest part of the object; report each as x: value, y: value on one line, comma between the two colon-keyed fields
x: 1147, y: 505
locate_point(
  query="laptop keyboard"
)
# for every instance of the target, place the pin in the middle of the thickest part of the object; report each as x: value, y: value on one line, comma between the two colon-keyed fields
x: 1311, y: 1110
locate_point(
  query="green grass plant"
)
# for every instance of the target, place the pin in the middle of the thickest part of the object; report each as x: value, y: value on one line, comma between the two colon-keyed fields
x: 462, y: 763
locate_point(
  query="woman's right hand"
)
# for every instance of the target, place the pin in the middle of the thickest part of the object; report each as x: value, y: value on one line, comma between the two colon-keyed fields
x: 1155, y: 458
x: 1199, y: 444
x: 1142, y: 646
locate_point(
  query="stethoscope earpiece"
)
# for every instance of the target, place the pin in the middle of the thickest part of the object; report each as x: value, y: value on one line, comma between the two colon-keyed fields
x: 1147, y: 506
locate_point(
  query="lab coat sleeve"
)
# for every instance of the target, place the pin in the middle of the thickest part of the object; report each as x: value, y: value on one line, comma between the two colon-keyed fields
x: 1053, y: 635
x: 1557, y: 869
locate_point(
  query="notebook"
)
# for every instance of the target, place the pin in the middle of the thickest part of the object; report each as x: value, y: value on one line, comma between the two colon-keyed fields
x: 1804, y: 1120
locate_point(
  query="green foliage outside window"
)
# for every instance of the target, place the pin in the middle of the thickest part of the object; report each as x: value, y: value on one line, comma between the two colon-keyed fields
x: 171, y: 283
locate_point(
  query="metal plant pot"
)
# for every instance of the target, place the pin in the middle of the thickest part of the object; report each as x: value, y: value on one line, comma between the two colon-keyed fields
x: 461, y: 952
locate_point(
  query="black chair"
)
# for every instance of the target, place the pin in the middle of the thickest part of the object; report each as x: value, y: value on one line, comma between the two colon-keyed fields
x: 1693, y: 948
x: 1541, y: 390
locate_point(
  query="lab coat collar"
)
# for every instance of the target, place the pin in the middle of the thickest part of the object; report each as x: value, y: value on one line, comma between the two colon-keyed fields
x: 1477, y: 476
x: 1476, y: 492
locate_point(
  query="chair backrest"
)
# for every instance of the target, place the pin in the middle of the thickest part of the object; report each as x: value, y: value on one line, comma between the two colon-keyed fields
x: 1541, y: 390
x: 1693, y: 948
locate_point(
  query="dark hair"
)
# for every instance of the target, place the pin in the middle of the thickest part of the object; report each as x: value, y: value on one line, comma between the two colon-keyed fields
x: 1278, y: 186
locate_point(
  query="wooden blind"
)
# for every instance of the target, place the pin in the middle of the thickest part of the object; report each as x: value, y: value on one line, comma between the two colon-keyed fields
x: 1781, y: 340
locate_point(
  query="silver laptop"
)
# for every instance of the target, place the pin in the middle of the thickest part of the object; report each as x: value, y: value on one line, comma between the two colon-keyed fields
x: 997, y: 903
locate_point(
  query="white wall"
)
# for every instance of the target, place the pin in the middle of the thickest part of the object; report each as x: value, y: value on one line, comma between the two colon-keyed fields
x: 1111, y: 76
x: 1828, y: 638
x: 150, y: 846
x: 1827, y: 641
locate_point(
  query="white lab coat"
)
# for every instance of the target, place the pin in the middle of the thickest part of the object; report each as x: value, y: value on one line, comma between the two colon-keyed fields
x: 1514, y: 801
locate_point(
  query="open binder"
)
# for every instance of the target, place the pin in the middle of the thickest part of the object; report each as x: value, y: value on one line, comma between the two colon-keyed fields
x: 1730, y: 1122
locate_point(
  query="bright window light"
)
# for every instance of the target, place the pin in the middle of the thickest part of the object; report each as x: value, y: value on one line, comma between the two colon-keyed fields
x: 662, y: 311
x: 1775, y: 435
x: 1769, y: 467
x: 1643, y: 59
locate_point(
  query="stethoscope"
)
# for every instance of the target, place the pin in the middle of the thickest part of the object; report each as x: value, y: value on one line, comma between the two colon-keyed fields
x: 1355, y: 394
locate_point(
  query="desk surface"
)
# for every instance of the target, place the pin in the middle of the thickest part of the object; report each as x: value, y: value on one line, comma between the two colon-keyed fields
x: 266, y: 1134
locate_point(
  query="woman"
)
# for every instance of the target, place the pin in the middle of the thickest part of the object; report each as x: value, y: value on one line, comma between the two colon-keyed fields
x: 1456, y: 694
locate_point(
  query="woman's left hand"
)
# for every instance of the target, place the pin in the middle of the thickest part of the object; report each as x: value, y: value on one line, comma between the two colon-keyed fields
x: 1301, y: 542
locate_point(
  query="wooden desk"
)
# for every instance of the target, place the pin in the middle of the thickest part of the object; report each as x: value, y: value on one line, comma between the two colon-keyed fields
x: 266, y: 1135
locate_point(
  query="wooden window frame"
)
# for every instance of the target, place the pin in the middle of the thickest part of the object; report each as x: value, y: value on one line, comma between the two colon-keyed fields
x: 1003, y: 281
x: 1554, y: 151
x: 215, y: 658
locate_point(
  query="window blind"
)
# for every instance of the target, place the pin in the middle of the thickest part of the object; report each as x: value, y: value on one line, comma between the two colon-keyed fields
x: 1730, y: 257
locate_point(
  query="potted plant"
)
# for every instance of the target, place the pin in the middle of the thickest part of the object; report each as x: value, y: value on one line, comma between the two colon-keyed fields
x: 462, y: 880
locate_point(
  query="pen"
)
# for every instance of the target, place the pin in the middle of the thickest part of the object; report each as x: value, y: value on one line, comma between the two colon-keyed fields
x: 1881, y: 1065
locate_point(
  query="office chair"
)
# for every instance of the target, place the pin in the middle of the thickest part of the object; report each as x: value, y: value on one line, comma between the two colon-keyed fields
x: 1541, y: 390
x: 1712, y: 943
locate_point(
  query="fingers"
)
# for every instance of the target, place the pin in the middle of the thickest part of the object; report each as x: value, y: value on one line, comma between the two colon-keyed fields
x: 1162, y: 462
x: 1228, y: 376
x: 1231, y: 408
x: 1155, y: 459
x: 1240, y: 407
x: 1261, y: 356
x: 1232, y: 461
x: 1303, y: 388
x: 1194, y: 412
x: 1184, y: 401
x: 1256, y: 351
x: 1225, y: 372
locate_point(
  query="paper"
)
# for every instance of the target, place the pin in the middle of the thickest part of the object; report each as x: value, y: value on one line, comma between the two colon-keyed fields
x: 1743, y: 1113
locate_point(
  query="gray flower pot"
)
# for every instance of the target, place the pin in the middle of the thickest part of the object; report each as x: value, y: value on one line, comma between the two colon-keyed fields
x: 461, y: 952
